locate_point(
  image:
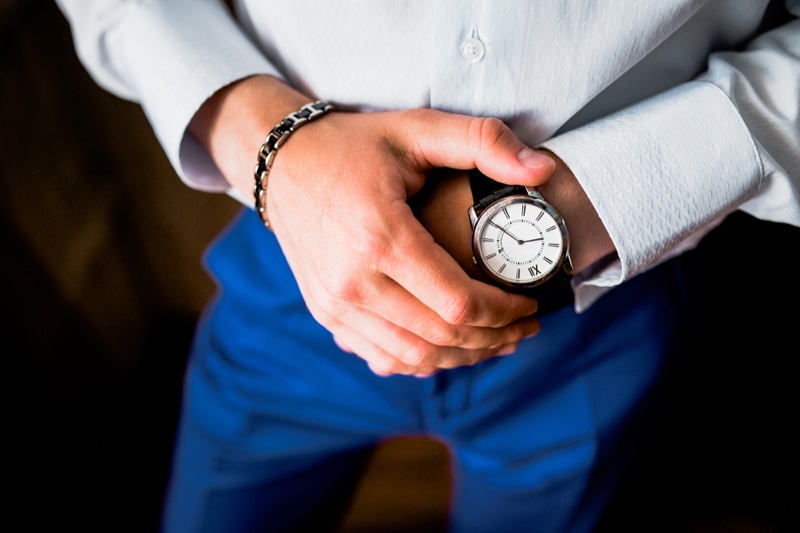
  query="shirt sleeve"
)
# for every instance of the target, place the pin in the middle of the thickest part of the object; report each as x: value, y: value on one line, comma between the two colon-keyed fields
x: 664, y: 172
x: 170, y: 57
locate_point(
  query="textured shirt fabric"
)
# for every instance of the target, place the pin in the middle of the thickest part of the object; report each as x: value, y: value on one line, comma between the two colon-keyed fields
x: 671, y: 114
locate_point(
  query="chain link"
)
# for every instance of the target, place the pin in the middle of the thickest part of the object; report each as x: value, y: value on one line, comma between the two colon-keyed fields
x: 275, y: 139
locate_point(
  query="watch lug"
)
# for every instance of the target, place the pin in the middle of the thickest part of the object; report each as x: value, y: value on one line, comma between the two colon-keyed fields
x: 533, y: 193
x: 473, y: 216
x: 568, y: 264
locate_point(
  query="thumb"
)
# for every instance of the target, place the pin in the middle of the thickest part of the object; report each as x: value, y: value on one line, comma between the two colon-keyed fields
x: 448, y: 140
x: 504, y: 158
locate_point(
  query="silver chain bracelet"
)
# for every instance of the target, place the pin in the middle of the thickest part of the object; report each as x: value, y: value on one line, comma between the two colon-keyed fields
x: 275, y: 139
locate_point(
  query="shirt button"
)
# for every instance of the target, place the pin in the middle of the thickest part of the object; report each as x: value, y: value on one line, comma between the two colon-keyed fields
x: 472, y: 50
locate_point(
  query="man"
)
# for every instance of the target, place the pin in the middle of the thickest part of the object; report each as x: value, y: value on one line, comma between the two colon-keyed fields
x: 355, y: 317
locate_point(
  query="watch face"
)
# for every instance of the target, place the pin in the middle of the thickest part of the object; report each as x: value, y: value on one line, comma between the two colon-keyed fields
x: 520, y: 241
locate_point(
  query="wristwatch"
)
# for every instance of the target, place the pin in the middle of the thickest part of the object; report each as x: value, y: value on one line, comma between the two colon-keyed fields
x: 519, y: 239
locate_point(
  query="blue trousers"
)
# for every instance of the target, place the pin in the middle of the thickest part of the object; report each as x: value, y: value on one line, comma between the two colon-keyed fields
x: 277, y: 422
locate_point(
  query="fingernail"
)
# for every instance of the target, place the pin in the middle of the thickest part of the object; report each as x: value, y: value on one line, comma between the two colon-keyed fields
x: 508, y: 349
x: 533, y: 159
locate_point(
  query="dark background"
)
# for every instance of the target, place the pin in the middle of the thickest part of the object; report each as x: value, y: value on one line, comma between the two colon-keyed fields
x: 101, y: 246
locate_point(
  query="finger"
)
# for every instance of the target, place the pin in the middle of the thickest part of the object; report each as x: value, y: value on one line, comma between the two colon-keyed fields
x: 381, y: 362
x: 407, y: 312
x: 432, y: 276
x: 441, y: 139
x: 412, y: 354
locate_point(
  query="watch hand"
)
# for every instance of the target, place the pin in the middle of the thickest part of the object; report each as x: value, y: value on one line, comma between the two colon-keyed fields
x: 531, y: 240
x: 507, y: 232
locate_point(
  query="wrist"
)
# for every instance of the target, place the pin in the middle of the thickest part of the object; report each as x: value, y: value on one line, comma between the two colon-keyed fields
x: 441, y: 207
x: 589, y: 240
x: 232, y: 123
x: 274, y: 140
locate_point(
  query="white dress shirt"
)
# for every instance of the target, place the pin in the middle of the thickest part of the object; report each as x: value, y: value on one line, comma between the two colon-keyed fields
x: 670, y: 114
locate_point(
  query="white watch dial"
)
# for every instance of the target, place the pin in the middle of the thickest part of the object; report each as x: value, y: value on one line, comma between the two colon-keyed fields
x: 519, y: 242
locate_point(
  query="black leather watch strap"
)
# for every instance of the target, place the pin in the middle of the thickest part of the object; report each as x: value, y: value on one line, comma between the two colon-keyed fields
x: 485, y: 190
x: 551, y: 296
x: 555, y: 294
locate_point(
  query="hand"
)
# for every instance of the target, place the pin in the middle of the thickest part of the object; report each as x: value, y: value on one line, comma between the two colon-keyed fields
x: 368, y: 270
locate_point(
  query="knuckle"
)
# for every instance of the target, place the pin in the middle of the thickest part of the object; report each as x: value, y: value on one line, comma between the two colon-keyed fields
x: 444, y: 336
x: 372, y: 247
x: 487, y: 131
x: 415, y: 357
x: 473, y: 357
x: 382, y: 368
x: 426, y: 372
x: 460, y: 310
x: 342, y: 288
x: 346, y: 282
x: 391, y: 368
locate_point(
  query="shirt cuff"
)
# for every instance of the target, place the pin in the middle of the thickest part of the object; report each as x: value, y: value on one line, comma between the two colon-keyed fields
x: 661, y: 174
x: 180, y: 53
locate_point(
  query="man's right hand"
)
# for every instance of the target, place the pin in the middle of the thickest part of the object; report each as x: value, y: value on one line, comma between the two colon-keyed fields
x: 338, y: 203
